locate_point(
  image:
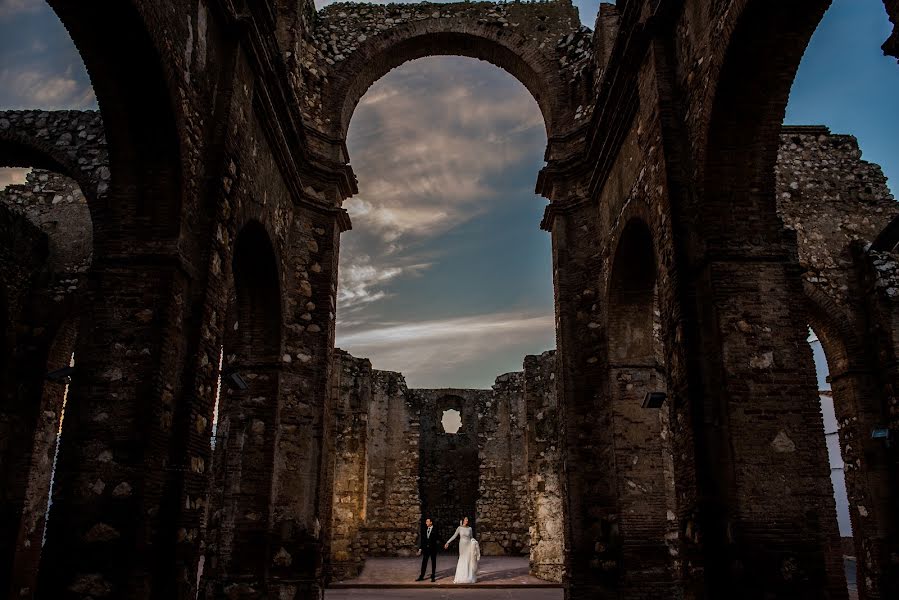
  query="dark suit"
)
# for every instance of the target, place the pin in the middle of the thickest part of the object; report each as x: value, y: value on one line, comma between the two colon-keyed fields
x: 428, y: 547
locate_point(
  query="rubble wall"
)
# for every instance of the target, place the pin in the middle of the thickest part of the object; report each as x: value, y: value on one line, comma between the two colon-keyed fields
x: 392, y: 507
x: 449, y: 484
x: 503, y: 485
x: 546, y: 494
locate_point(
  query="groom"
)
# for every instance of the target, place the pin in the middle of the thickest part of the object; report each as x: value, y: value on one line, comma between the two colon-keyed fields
x: 427, y: 547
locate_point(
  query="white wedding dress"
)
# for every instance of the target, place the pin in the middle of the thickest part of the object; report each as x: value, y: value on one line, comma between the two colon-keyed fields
x: 469, y: 555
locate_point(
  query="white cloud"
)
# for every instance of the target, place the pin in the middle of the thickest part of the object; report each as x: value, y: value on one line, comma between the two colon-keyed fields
x: 361, y: 281
x: 429, y: 140
x: 50, y: 91
x: 429, y: 351
x: 435, y: 144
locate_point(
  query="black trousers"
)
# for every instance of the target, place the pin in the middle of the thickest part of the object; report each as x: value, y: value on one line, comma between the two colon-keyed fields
x: 424, y: 561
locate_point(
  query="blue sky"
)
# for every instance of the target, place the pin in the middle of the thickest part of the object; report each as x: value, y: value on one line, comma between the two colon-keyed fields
x: 446, y: 276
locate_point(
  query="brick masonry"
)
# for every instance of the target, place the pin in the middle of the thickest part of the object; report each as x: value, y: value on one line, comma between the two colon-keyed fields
x: 217, y: 166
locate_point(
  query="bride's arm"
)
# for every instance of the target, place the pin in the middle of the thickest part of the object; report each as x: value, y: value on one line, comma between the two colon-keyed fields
x: 450, y: 541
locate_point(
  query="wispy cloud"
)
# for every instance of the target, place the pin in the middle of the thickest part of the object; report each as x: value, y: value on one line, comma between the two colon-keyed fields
x: 362, y: 282
x: 429, y: 142
x: 41, y: 88
x: 426, y: 143
x: 430, y: 353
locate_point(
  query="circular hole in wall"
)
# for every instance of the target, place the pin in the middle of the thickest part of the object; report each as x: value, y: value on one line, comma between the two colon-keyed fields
x: 452, y: 420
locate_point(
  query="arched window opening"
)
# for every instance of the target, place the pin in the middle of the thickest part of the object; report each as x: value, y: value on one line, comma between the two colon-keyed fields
x: 446, y: 280
x: 218, y: 398
x: 642, y: 539
x: 245, y: 418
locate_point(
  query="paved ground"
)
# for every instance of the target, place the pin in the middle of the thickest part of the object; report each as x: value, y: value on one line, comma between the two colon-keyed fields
x: 445, y: 594
x: 499, y: 578
x: 494, y: 571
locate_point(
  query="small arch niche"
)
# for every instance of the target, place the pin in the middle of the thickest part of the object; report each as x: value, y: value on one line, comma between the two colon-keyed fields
x: 451, y: 421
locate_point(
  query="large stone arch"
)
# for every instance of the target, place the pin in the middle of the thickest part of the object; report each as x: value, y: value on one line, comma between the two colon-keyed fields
x: 134, y: 86
x: 68, y: 142
x: 541, y: 44
x: 752, y: 353
x: 139, y: 293
x: 860, y: 407
x: 747, y: 110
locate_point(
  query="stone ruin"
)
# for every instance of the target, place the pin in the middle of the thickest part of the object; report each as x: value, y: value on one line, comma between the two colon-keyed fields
x: 694, y: 240
x: 395, y: 464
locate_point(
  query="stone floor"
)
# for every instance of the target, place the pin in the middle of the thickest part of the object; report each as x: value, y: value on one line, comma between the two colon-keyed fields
x: 499, y: 578
x: 445, y: 593
x: 494, y: 572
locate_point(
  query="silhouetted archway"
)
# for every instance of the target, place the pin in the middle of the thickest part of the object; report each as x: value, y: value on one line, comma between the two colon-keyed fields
x: 243, y: 463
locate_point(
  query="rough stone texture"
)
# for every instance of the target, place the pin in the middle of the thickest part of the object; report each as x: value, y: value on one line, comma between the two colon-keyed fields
x: 541, y: 43
x: 502, y: 504
x: 830, y: 197
x: 393, y: 509
x: 449, y: 464
x: 68, y: 141
x: 546, y: 482
x: 44, y: 274
x: 352, y: 398
x: 395, y: 464
x: 224, y: 131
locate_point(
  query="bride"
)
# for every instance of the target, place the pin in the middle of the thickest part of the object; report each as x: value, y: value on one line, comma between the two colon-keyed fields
x: 469, y: 554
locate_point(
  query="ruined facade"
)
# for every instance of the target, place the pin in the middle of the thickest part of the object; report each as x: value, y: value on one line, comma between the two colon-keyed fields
x: 395, y: 465
x: 685, y: 262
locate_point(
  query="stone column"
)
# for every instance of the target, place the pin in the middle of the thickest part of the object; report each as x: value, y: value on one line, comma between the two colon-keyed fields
x: 748, y: 425
x: 546, y: 484
x: 643, y: 499
x: 874, y: 469
x: 244, y: 461
x: 593, y: 549
x: 112, y: 460
x: 352, y: 396
x: 302, y: 484
x: 866, y: 468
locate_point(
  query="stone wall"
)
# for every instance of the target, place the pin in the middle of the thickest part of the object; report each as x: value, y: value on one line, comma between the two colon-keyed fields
x: 449, y: 473
x: 394, y: 464
x: 351, y: 398
x: 502, y: 504
x: 546, y: 482
x: 48, y: 227
x: 56, y: 204
x: 830, y: 197
x: 392, y: 510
